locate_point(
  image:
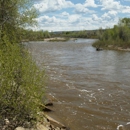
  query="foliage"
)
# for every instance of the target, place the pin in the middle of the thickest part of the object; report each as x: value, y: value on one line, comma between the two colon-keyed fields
x: 118, y: 36
x: 33, y: 35
x: 124, y: 22
x: 14, y: 14
x: 76, y: 34
x: 22, y: 84
x: 17, y: 12
x: 21, y: 81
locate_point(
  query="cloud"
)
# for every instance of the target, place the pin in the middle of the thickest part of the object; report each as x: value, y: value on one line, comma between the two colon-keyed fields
x: 52, y: 5
x: 79, y: 8
x: 112, y: 13
x: 84, y: 8
x: 79, y: 16
x: 72, y: 22
x: 126, y: 9
x: 50, y: 23
x: 46, y: 19
x: 64, y: 14
x: 95, y: 17
x: 77, y: 21
x: 90, y: 3
x: 115, y: 6
x: 110, y: 5
x: 75, y: 18
x: 109, y: 15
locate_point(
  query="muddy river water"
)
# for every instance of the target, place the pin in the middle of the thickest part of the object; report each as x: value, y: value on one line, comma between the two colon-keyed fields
x: 91, y: 88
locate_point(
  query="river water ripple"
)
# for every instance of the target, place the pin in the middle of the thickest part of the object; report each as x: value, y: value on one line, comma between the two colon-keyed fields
x: 92, y: 87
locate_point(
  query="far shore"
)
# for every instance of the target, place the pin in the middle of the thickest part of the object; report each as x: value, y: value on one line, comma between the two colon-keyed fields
x: 58, y: 39
x: 107, y: 46
x: 116, y: 48
x: 54, y: 38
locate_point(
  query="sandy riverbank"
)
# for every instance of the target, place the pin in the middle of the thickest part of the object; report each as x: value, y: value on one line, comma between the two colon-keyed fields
x: 56, y: 39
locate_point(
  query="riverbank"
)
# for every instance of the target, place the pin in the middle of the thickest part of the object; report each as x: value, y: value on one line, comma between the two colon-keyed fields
x: 48, y: 123
x: 58, y: 39
x: 48, y: 119
x: 112, y: 45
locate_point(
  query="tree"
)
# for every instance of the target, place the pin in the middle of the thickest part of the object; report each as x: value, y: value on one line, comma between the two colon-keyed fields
x: 126, y: 21
x: 14, y: 14
x: 21, y: 81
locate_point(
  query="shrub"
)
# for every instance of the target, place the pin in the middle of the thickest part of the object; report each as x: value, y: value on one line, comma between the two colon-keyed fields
x: 21, y: 84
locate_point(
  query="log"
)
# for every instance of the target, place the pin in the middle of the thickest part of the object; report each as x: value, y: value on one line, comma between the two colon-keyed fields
x: 45, y: 108
x: 55, y: 123
x: 49, y: 104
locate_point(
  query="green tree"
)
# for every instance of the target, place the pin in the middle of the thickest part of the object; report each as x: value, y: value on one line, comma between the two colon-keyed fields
x: 118, y: 36
x: 126, y: 21
x: 21, y: 81
x: 14, y: 14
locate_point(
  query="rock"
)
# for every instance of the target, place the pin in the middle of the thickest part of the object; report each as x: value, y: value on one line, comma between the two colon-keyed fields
x: 99, y: 49
x: 20, y: 128
x: 41, y: 127
x: 7, y: 122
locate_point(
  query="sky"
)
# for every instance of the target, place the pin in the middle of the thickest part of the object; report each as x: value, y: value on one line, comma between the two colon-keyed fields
x: 71, y: 15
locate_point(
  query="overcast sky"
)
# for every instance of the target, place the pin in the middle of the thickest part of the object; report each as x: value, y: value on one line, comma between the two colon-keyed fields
x: 67, y: 15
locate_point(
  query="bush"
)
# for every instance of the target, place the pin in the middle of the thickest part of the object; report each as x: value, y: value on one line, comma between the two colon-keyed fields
x: 21, y: 85
x: 114, y: 38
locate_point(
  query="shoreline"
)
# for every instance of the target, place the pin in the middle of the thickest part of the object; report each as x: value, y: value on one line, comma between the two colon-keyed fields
x: 117, y: 49
x: 59, y: 39
x: 107, y: 46
x: 47, y: 121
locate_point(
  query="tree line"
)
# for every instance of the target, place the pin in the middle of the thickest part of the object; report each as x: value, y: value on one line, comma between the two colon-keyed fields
x: 31, y: 35
x: 118, y: 36
x: 76, y: 34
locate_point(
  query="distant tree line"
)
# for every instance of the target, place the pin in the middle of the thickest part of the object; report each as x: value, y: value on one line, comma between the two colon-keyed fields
x: 32, y: 35
x: 77, y: 34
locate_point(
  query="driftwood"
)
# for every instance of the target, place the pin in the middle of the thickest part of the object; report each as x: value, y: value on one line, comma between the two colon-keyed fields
x: 55, y: 123
x: 49, y: 104
x: 52, y: 121
x: 44, y: 108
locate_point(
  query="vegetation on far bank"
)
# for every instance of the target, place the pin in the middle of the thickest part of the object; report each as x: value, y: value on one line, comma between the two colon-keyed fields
x: 21, y: 81
x: 76, y: 34
x: 117, y: 37
x: 30, y: 35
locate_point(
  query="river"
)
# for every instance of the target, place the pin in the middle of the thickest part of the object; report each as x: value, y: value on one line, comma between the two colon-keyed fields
x: 91, y: 88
